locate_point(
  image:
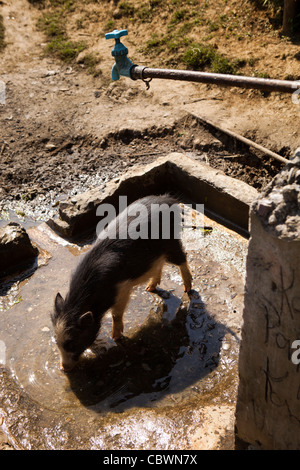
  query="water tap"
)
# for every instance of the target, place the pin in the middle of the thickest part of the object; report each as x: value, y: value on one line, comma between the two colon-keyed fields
x: 123, y: 65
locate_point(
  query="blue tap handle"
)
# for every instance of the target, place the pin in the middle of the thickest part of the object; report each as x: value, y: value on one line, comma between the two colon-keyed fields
x: 122, y: 65
x: 116, y: 34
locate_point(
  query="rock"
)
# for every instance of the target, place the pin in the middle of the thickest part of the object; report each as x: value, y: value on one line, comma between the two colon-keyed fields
x: 290, y: 193
x: 16, y: 249
x: 50, y: 73
x: 117, y: 14
x: 268, y: 397
x: 264, y: 207
x: 50, y: 147
x: 279, y: 204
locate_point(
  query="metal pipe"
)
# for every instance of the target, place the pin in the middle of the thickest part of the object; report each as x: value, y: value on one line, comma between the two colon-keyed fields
x: 242, y: 139
x: 265, y: 84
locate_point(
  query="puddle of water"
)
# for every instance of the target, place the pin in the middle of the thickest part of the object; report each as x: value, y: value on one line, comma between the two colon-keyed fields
x: 179, y: 354
x: 19, y: 217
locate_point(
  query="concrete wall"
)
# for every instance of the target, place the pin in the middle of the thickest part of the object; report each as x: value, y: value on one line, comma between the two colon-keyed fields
x: 177, y: 173
x: 268, y: 405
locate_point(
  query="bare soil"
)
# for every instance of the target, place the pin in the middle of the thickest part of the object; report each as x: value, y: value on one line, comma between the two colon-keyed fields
x: 60, y: 124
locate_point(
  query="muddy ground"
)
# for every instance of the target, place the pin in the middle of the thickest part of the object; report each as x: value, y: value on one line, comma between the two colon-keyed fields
x: 64, y: 131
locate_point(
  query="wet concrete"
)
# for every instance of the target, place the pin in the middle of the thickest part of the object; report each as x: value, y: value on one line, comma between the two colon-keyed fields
x: 170, y: 383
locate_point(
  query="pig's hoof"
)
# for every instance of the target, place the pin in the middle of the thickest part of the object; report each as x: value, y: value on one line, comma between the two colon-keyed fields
x: 187, y: 288
x: 116, y: 335
x: 151, y: 287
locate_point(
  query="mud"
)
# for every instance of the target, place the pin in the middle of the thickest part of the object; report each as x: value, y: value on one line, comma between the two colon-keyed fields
x: 174, y: 370
x: 86, y: 163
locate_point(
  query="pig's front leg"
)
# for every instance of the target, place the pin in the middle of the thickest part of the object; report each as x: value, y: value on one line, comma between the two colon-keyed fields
x: 118, y: 309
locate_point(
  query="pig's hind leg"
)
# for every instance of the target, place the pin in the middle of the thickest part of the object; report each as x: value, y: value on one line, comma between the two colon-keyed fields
x: 155, y: 277
x: 186, y: 276
x: 177, y: 256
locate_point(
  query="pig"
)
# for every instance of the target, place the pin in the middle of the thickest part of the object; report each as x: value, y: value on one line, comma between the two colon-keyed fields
x: 107, y: 273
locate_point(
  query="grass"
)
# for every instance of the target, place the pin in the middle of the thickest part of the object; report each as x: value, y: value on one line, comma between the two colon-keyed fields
x: 90, y: 62
x: 65, y: 50
x: 171, y: 41
x: 203, y: 56
x: 53, y: 23
x: 59, y: 45
x: 175, y: 45
x: 195, y: 56
x: 2, y: 34
x: 126, y: 9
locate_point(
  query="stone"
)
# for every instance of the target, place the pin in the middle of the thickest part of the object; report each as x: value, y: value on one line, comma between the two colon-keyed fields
x: 290, y: 193
x: 264, y: 208
x: 16, y: 249
x: 268, y: 405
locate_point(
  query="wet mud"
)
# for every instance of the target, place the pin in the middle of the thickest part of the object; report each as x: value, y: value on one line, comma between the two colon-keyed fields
x: 167, y: 380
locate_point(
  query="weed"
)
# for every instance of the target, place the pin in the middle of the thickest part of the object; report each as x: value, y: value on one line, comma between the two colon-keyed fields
x: 65, y: 50
x: 144, y: 13
x: 213, y: 26
x: 221, y: 64
x: 52, y: 26
x: 126, y: 9
x: 20, y: 213
x: 261, y: 74
x: 179, y: 16
x: 155, y: 3
x: 110, y: 25
x: 90, y: 61
x: 197, y: 56
x: 155, y: 43
x: 252, y: 61
x: 206, y: 56
x: 64, y: 4
x: 59, y: 45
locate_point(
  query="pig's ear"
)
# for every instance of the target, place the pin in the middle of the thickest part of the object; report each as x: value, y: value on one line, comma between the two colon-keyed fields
x: 59, y: 303
x: 86, y: 320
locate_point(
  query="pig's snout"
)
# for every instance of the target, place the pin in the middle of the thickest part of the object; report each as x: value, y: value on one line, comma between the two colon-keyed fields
x: 67, y: 367
x: 67, y: 361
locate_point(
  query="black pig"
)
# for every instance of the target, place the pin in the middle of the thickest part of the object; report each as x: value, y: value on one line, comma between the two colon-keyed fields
x: 106, y: 275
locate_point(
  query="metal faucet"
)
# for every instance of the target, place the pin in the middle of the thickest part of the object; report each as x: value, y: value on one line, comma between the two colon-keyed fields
x: 123, y: 65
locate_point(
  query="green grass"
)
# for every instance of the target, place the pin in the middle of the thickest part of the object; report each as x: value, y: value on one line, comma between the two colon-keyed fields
x: 206, y: 56
x: 2, y: 34
x: 65, y: 4
x: 65, y: 50
x: 198, y: 56
x: 90, y: 61
x: 195, y: 56
x: 59, y: 45
x: 126, y: 9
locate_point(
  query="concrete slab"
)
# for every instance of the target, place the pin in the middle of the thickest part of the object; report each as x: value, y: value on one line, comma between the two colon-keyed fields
x: 177, y: 173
